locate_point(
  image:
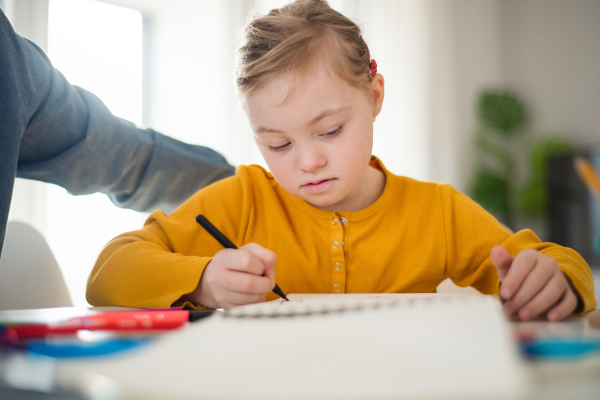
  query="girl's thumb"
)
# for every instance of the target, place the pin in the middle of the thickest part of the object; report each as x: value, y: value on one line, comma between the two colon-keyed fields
x: 502, y: 260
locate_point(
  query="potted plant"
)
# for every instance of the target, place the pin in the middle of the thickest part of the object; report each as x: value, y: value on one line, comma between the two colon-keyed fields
x: 501, y: 117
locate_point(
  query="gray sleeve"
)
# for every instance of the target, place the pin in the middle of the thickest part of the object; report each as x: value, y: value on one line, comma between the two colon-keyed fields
x: 72, y: 140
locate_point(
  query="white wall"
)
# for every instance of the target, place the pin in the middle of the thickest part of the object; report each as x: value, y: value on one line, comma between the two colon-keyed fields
x: 467, y: 49
x: 552, y: 57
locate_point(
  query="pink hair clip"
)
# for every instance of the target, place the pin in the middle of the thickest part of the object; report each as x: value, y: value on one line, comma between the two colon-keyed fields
x: 373, y: 63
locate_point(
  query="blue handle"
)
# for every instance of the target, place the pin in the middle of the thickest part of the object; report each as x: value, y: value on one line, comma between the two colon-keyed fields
x: 560, y: 347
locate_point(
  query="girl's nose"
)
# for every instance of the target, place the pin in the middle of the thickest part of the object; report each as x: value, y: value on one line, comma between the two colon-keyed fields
x: 310, y: 158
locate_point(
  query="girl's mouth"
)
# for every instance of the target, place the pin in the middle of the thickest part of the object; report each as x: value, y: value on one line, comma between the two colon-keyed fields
x: 318, y: 187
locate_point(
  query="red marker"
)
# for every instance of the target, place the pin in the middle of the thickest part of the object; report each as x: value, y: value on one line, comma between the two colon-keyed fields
x: 123, y: 321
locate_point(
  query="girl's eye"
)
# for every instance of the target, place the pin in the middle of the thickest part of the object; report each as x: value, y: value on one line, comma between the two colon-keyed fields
x: 334, y: 133
x: 278, y: 148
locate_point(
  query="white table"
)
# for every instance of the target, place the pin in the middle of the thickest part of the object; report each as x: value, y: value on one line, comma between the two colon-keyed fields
x: 547, y: 379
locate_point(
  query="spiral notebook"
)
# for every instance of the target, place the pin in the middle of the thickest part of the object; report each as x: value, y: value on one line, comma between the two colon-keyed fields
x: 320, y: 304
x: 332, y: 347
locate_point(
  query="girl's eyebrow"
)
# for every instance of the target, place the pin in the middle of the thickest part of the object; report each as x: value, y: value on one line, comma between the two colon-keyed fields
x: 313, y: 121
x: 326, y: 113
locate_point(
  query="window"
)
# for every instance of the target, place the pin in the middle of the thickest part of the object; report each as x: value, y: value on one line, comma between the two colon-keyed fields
x: 97, y: 46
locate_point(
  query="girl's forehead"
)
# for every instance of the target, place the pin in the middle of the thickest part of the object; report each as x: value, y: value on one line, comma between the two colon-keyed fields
x: 278, y: 88
x: 314, y: 86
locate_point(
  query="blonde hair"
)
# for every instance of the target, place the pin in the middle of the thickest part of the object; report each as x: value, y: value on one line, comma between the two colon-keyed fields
x: 293, y: 37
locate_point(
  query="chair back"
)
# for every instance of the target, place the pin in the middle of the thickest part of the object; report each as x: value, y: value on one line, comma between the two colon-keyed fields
x: 29, y: 274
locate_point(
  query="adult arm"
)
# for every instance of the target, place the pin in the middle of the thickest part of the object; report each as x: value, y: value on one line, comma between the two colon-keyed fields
x: 55, y: 132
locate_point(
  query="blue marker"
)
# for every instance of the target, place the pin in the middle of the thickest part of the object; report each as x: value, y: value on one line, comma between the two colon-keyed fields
x: 84, y: 349
x: 560, y: 348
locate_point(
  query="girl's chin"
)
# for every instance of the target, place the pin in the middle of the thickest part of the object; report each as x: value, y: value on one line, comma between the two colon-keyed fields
x: 324, y: 204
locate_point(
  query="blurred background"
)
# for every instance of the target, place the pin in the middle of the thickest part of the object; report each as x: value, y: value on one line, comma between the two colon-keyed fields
x: 495, y: 97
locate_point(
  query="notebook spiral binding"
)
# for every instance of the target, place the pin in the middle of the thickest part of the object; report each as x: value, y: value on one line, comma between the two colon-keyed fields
x: 280, y: 309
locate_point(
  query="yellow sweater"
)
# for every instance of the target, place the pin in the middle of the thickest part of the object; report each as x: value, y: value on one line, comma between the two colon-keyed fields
x: 412, y: 238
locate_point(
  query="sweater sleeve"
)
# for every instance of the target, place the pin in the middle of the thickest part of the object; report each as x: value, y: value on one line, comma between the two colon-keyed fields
x: 158, y: 264
x: 471, y: 232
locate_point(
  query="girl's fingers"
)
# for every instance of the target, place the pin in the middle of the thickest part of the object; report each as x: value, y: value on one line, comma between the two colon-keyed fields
x: 251, y: 268
x: 235, y: 277
x: 242, y: 260
x: 552, y: 292
x: 266, y: 257
x: 502, y: 260
x: 521, y: 266
x: 531, y: 285
x: 243, y: 282
x: 565, y: 307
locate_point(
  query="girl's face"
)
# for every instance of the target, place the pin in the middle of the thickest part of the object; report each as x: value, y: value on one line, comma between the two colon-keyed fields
x: 318, y: 142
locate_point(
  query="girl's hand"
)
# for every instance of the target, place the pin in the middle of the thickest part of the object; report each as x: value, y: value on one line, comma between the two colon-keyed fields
x: 533, y: 284
x: 236, y: 277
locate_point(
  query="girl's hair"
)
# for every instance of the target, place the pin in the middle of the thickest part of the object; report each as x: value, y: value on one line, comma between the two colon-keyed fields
x: 292, y: 38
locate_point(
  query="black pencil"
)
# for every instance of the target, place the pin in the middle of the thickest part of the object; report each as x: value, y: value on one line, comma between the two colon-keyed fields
x: 217, y: 234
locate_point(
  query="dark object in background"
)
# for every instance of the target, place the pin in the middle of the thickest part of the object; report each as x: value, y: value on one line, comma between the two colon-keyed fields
x: 572, y: 210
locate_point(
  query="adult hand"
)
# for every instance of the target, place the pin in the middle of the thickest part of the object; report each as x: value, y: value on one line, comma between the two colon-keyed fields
x: 533, y: 284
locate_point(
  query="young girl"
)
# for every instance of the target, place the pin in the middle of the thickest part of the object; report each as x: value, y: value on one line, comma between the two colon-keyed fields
x: 328, y: 217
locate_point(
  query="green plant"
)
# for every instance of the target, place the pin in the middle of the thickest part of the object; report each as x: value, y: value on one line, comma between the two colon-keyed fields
x: 501, y: 118
x: 501, y: 115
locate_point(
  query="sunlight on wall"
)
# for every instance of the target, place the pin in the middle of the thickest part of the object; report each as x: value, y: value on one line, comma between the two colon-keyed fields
x: 108, y: 62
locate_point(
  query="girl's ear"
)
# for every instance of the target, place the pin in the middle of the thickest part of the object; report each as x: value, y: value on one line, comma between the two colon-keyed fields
x: 378, y: 88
